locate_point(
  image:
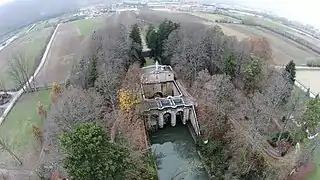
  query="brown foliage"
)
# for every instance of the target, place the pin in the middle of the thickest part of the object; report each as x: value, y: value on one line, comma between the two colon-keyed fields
x: 38, y: 134
x: 131, y: 124
x: 42, y: 112
x: 132, y: 127
x: 213, y: 94
x: 56, y: 91
x: 260, y: 47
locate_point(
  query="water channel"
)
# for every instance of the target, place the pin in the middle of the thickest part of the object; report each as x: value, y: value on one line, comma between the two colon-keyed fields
x: 176, y: 154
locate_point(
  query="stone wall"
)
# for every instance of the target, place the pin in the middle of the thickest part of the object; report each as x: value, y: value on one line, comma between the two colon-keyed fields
x: 167, y: 89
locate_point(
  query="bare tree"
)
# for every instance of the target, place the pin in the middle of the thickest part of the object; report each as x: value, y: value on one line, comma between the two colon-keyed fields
x: 19, y: 70
x: 75, y: 106
x: 214, y: 95
x: 260, y: 47
x: 3, y: 86
x: 189, y: 55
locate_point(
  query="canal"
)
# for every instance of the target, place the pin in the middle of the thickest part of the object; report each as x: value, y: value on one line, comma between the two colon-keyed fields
x: 175, y: 154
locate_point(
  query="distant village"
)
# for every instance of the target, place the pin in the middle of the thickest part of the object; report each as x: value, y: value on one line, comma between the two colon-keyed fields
x: 194, y: 5
x: 169, y: 5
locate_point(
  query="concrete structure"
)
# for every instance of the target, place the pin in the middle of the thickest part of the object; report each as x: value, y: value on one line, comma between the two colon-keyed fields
x: 165, y: 102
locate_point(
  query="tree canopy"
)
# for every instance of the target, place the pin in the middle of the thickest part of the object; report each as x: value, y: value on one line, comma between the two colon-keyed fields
x: 90, y: 155
x: 156, y: 39
x: 136, y: 46
x: 151, y: 39
x: 93, y: 71
x: 230, y: 65
x: 135, y: 34
x: 311, y: 117
x: 253, y: 74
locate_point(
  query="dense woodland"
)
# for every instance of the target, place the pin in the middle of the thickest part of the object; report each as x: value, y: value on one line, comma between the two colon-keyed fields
x: 246, y: 108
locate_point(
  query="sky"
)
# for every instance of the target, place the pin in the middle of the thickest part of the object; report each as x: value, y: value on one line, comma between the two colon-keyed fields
x: 305, y: 11
x: 2, y: 2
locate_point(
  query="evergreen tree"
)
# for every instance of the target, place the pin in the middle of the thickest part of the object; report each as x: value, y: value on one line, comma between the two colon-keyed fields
x: 253, y: 75
x: 155, y: 39
x: 230, y: 65
x: 291, y: 71
x: 93, y: 72
x: 136, y: 46
x: 165, y: 28
x: 311, y: 117
x: 151, y: 40
x: 135, y: 34
x: 90, y: 154
x: 290, y: 74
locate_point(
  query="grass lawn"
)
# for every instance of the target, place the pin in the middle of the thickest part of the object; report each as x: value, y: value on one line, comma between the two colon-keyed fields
x: 87, y: 26
x: 31, y: 46
x: 316, y: 174
x: 17, y: 128
x: 149, y: 61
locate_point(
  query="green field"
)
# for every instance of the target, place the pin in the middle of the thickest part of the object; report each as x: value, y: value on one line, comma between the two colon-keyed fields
x: 45, y: 24
x: 213, y: 17
x: 17, y: 128
x: 30, y: 47
x: 87, y: 26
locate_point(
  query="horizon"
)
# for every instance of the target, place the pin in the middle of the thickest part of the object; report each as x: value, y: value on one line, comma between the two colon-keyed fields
x: 294, y: 10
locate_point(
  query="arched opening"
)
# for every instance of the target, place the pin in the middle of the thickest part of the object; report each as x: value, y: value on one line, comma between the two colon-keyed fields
x: 154, y: 119
x: 167, y: 118
x: 158, y: 95
x: 179, y: 117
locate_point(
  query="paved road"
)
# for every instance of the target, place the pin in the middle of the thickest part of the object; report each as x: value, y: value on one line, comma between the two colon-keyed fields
x: 31, y: 79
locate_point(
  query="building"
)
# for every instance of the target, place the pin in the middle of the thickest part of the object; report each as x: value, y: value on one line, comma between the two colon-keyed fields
x: 166, y: 101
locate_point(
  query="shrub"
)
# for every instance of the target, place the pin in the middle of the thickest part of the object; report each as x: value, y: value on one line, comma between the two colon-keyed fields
x: 285, y: 135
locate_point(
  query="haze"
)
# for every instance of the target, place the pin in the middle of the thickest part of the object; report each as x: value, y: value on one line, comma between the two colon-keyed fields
x: 306, y: 11
x: 2, y: 2
x: 34, y: 10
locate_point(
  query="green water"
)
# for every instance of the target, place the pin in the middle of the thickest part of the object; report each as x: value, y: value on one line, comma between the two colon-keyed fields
x: 176, y: 155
